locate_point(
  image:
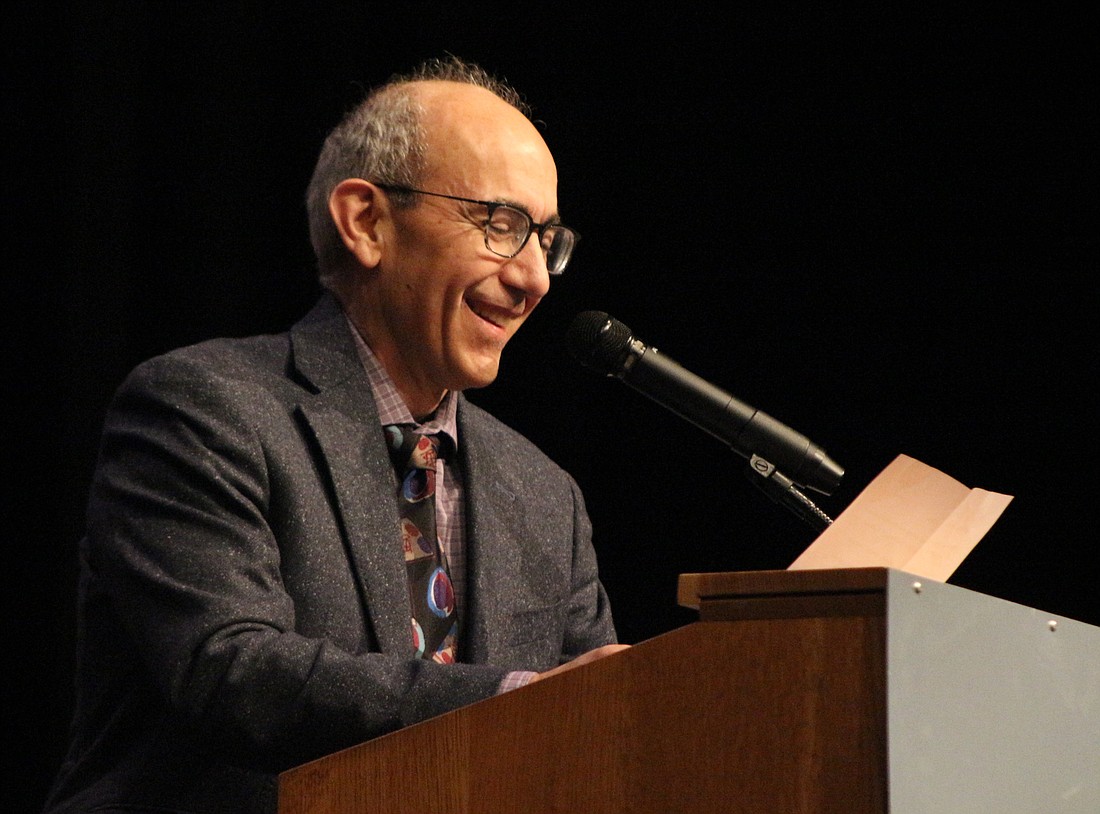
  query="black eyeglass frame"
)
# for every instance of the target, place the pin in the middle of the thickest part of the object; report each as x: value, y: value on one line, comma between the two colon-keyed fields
x: 492, y: 206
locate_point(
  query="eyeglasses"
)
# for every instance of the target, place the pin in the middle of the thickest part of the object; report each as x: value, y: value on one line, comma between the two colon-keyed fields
x: 507, y: 230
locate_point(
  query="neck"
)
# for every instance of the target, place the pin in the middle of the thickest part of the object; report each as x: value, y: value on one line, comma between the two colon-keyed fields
x: 423, y: 409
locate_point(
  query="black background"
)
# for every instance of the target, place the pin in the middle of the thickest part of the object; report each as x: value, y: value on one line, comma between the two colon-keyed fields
x: 872, y: 224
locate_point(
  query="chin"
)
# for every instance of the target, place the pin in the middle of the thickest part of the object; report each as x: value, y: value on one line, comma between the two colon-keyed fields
x: 477, y: 376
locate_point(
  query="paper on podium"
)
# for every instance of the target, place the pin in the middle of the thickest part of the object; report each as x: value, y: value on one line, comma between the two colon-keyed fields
x: 911, y: 517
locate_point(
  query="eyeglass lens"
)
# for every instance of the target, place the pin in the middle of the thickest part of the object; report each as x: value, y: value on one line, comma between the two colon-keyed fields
x: 509, y: 229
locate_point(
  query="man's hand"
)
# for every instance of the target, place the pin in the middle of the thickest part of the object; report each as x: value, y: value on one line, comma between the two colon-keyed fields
x: 584, y: 658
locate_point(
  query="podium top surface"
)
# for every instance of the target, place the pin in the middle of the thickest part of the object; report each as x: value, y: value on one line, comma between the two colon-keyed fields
x: 694, y: 589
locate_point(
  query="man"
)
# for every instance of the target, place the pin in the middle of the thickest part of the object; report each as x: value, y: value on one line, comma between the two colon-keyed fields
x: 245, y: 603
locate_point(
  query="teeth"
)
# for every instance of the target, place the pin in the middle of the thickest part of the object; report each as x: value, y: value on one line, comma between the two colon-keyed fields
x: 476, y: 308
x: 481, y: 310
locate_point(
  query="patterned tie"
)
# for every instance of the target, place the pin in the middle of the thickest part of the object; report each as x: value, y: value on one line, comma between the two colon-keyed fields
x: 434, y: 620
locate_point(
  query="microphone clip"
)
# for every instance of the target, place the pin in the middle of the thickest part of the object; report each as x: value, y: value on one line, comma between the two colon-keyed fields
x: 783, y: 491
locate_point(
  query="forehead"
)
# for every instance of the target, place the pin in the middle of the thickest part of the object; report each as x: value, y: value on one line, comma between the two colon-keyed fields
x: 479, y: 145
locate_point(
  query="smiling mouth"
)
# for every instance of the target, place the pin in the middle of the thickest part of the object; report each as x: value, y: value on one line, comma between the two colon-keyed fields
x: 486, y: 312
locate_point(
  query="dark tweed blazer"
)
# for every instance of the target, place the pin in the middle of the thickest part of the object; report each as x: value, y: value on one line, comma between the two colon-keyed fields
x: 243, y: 599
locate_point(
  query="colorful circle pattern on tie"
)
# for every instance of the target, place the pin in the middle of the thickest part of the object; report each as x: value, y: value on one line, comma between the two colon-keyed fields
x: 441, y: 595
x: 418, y: 638
x: 394, y: 436
x: 418, y: 485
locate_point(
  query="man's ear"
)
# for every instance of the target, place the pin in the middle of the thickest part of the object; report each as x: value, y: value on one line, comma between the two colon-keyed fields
x: 357, y: 207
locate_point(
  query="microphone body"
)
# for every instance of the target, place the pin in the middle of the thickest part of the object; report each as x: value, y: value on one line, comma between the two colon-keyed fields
x: 605, y: 344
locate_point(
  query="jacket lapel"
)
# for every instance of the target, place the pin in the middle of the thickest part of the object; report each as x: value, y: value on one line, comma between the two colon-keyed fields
x: 344, y: 422
x: 490, y: 502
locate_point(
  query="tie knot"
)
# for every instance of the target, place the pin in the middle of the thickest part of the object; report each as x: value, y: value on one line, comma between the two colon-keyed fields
x: 411, y: 450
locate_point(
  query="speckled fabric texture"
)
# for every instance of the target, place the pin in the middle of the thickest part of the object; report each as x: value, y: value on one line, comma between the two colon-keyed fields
x: 244, y: 602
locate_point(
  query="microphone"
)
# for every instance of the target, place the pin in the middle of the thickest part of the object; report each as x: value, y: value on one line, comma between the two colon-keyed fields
x: 601, y: 342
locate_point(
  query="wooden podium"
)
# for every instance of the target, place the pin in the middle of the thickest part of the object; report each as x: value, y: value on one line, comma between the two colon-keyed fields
x: 852, y: 690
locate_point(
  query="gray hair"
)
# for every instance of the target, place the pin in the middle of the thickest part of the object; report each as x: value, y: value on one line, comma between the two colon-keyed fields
x: 382, y: 140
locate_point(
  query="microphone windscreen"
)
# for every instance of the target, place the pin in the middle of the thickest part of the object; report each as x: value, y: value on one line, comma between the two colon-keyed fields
x: 598, y: 341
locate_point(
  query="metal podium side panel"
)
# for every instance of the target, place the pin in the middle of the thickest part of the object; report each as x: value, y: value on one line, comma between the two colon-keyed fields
x: 992, y: 707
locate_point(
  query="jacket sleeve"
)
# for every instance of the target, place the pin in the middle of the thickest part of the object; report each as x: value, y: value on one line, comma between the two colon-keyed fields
x: 589, y: 624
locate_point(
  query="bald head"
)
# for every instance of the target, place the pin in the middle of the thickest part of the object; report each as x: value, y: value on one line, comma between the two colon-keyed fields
x: 475, y: 142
